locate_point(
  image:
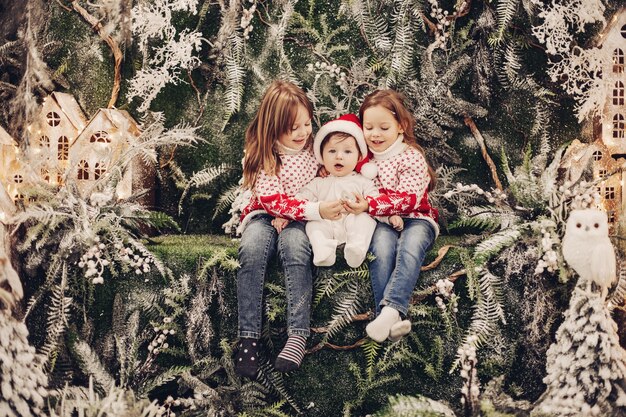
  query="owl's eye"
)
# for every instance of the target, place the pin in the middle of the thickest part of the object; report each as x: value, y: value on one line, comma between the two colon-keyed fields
x: 596, y: 225
x: 578, y: 225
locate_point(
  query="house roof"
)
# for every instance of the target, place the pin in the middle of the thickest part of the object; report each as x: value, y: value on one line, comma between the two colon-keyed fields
x: 121, y: 119
x: 71, y: 109
x: 5, y: 138
x: 601, y: 37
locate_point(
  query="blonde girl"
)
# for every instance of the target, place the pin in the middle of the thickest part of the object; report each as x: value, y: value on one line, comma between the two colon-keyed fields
x: 278, y: 162
x: 404, y: 179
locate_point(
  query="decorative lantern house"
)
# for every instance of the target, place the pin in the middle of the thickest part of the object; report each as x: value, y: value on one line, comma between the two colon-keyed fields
x: 15, y: 173
x: 51, y: 135
x: 610, y: 127
x: 100, y: 145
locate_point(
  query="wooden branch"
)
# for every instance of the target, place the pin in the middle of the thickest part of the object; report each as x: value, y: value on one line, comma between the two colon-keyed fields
x: 64, y: 6
x: 322, y: 345
x: 483, y: 148
x: 117, y: 52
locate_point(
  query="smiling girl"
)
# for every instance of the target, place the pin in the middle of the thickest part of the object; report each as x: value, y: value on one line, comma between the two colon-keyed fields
x: 404, y: 179
x: 278, y: 162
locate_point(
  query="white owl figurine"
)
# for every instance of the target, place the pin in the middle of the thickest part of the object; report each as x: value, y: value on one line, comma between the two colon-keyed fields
x: 588, y: 249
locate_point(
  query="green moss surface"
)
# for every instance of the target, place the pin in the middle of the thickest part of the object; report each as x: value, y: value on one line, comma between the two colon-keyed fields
x: 332, y: 378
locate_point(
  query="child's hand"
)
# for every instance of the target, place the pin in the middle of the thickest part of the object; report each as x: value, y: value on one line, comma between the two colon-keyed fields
x: 323, y: 172
x: 357, y: 205
x: 279, y: 223
x: 396, y: 222
x: 331, y: 210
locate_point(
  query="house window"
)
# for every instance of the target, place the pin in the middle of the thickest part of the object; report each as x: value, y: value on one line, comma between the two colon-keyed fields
x: 53, y: 118
x: 59, y: 178
x: 597, y: 155
x: 18, y: 179
x: 618, y: 94
x: 610, y: 214
x: 618, y: 126
x: 602, y: 173
x: 100, y: 137
x: 20, y: 198
x: 618, y: 61
x: 44, y: 141
x: 609, y: 193
x: 83, y: 170
x: 623, y: 31
x: 45, y: 174
x: 63, y: 148
x: 99, y: 170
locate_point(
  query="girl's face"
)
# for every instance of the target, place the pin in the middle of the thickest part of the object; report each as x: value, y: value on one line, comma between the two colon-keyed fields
x: 340, y: 155
x: 300, y: 132
x: 380, y: 127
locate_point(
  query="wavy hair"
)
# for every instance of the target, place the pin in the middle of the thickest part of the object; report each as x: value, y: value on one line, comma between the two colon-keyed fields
x: 395, y: 103
x: 275, y: 117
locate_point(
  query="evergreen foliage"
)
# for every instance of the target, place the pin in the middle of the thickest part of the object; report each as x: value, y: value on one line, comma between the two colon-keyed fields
x: 132, y: 332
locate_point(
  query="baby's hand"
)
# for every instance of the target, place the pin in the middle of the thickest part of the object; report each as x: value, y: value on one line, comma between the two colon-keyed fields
x: 396, y: 222
x: 331, y: 210
x: 356, y: 205
x: 279, y: 223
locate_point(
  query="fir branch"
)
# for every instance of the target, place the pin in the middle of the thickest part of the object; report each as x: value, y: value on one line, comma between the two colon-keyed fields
x: 90, y: 364
x: 161, y: 379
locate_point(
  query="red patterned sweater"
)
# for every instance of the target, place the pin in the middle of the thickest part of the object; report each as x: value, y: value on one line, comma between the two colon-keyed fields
x: 274, y: 194
x: 403, y: 184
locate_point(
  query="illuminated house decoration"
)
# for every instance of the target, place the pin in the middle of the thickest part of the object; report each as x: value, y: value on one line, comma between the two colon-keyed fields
x: 51, y: 135
x: 14, y: 172
x: 63, y: 143
x: 101, y: 144
x: 610, y: 128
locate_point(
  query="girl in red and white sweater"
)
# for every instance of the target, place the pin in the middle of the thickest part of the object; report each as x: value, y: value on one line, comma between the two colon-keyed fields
x: 278, y: 162
x: 404, y: 179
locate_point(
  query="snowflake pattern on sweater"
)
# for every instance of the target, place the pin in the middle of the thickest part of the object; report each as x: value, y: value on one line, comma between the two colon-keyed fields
x: 274, y: 194
x: 403, y: 184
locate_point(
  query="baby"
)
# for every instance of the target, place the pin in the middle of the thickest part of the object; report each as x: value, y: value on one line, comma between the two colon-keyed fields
x: 340, y: 146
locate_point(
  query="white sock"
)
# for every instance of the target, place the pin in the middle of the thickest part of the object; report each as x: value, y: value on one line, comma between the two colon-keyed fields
x: 379, y: 329
x: 325, y: 258
x: 399, y: 329
x: 324, y: 249
x: 354, y: 255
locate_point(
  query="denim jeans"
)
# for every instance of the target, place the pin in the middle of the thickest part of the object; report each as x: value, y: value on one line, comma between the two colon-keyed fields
x: 259, y: 243
x: 399, y: 257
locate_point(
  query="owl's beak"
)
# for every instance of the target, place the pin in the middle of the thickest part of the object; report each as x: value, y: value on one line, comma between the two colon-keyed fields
x: 586, y: 228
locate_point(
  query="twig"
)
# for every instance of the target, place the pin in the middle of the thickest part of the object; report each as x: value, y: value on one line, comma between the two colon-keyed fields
x: 483, y: 148
x: 323, y: 344
x: 64, y: 6
x: 117, y: 52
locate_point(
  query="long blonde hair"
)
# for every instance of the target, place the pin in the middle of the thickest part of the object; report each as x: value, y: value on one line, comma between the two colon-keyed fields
x: 394, y: 102
x: 275, y: 117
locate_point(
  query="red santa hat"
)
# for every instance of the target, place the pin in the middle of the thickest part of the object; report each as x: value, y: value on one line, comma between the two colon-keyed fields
x: 350, y: 124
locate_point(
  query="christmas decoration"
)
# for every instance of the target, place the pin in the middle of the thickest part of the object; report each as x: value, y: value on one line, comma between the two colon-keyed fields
x: 530, y: 90
x: 64, y: 143
x: 586, y: 366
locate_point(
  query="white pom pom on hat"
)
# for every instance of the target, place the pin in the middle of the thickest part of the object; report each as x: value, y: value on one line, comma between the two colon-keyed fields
x: 350, y: 124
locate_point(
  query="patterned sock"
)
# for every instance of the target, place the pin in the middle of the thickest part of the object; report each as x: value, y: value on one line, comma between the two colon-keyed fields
x: 290, y: 358
x: 378, y: 330
x: 247, y: 358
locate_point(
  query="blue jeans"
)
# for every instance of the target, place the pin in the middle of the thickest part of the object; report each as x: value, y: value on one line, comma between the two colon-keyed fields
x: 259, y: 243
x: 399, y: 257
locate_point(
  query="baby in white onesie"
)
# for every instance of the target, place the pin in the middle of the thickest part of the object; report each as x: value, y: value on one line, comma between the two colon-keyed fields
x: 340, y: 146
